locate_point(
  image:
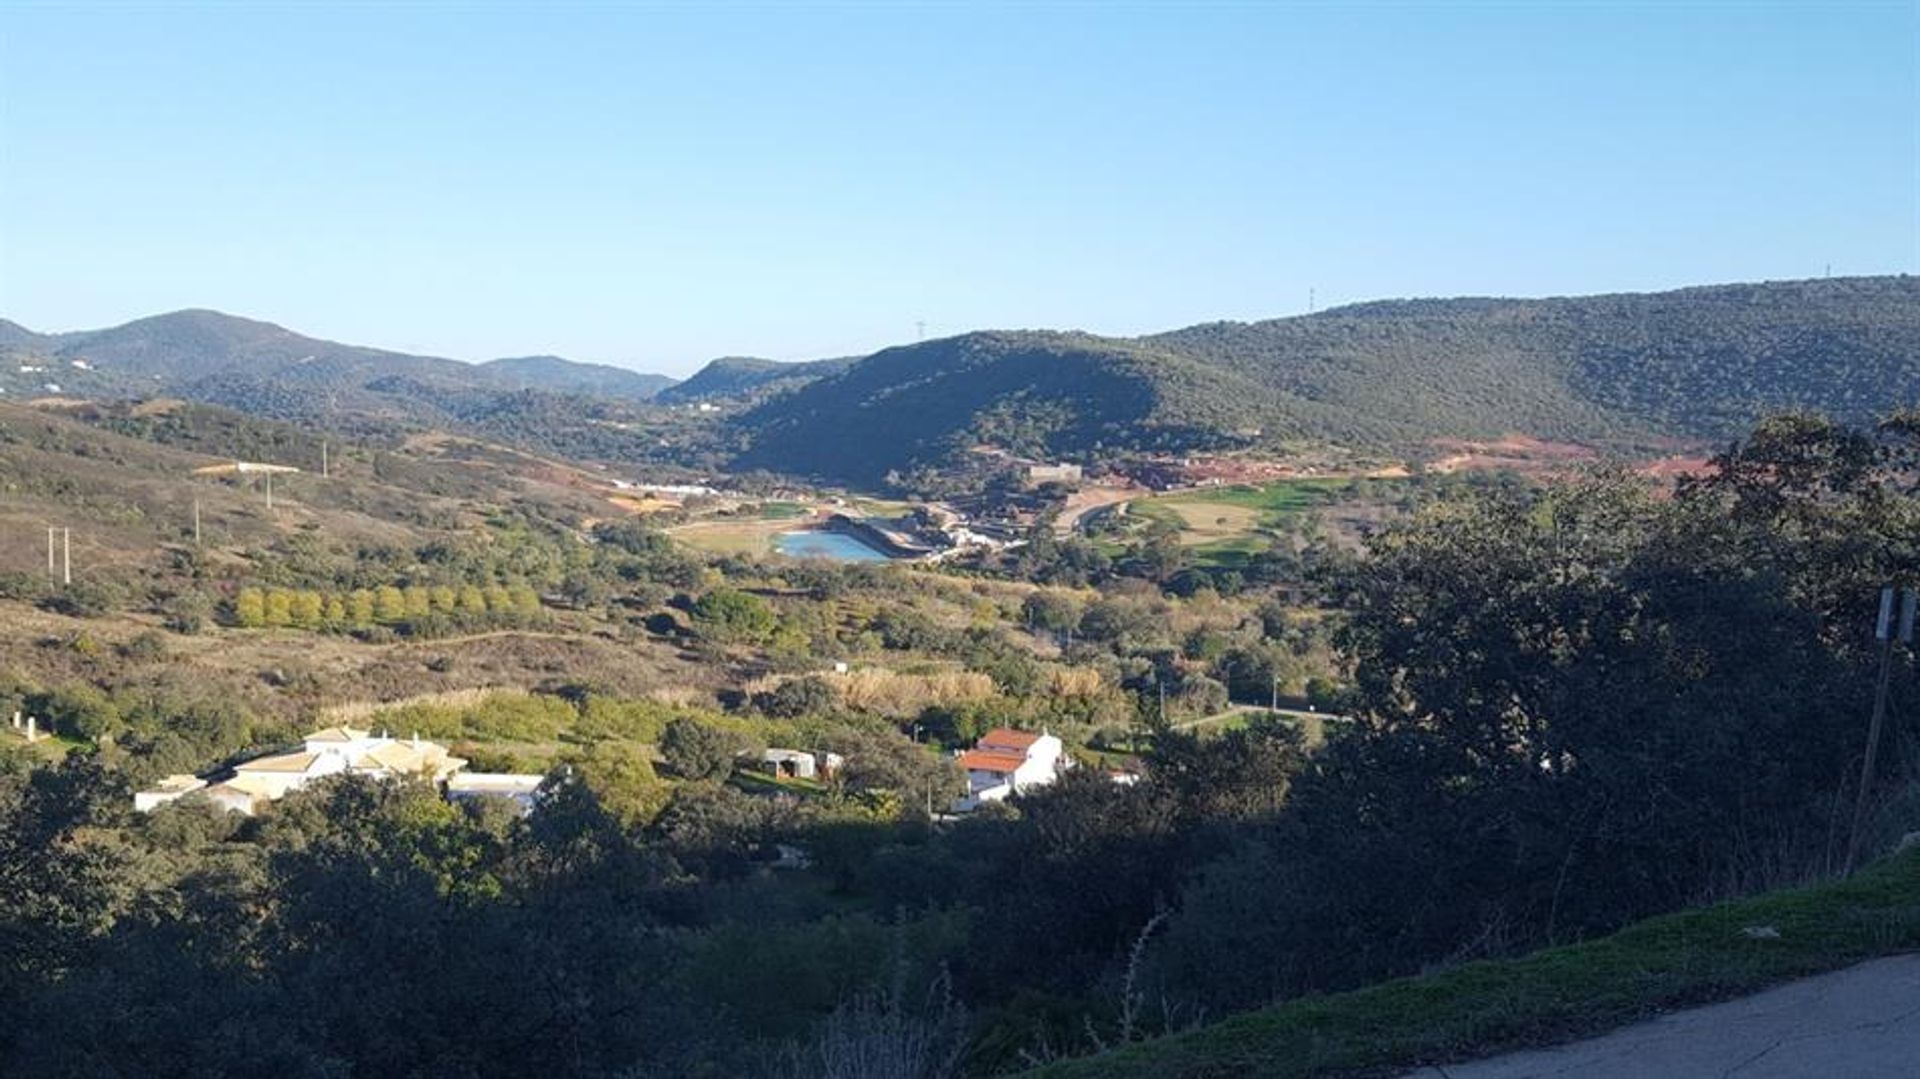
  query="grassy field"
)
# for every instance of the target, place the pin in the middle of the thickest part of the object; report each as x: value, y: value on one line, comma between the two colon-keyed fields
x: 734, y: 535
x: 1556, y: 995
x: 1224, y: 526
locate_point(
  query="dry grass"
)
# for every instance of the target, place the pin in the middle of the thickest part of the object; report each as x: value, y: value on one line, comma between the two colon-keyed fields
x: 894, y: 693
x: 1208, y: 522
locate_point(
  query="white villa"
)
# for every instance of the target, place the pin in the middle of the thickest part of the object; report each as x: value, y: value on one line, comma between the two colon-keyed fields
x: 1005, y: 762
x: 333, y: 751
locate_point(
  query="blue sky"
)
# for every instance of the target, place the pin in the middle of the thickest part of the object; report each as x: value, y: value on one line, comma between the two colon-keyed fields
x: 656, y: 185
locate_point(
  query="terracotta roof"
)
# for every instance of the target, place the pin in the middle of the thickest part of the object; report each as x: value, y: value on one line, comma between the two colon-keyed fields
x: 1007, y: 737
x: 988, y: 760
x: 284, y: 762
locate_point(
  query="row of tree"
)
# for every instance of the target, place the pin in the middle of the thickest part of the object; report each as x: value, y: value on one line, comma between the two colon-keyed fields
x: 390, y: 605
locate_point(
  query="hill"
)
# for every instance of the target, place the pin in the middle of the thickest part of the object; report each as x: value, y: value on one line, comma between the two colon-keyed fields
x: 745, y: 377
x: 1030, y: 392
x: 1630, y: 371
x: 268, y: 369
x: 568, y: 376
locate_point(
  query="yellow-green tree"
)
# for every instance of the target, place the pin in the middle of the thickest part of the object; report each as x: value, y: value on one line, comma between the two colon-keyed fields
x: 360, y: 608
x: 419, y: 601
x: 250, y: 608
x: 279, y: 607
x: 445, y: 600
x: 336, y: 614
x: 526, y: 602
x: 389, y: 605
x: 307, y: 609
x: 473, y: 602
x: 499, y: 600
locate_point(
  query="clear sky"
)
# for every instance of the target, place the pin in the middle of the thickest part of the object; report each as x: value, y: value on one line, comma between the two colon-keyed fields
x: 656, y: 185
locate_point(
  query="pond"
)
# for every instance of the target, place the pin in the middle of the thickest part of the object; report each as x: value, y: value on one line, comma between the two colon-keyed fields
x: 837, y: 546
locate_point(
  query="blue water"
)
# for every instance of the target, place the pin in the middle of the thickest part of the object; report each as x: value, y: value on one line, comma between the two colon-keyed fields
x: 837, y: 546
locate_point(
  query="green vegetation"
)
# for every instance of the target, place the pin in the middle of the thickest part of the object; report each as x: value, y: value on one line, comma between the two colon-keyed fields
x: 1554, y: 995
x: 743, y: 378
x: 1566, y: 708
x: 1610, y: 370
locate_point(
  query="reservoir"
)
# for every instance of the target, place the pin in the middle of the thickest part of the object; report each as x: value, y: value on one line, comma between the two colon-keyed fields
x: 838, y: 546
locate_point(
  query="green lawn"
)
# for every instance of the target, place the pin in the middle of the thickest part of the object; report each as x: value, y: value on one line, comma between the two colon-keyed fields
x: 1222, y: 526
x: 784, y: 511
x: 1551, y: 996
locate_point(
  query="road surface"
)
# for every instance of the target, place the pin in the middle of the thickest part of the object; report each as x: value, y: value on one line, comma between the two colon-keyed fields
x: 1858, y: 1023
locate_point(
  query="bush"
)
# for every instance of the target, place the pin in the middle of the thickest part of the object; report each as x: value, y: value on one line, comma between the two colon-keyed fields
x: 700, y: 751
x: 797, y: 697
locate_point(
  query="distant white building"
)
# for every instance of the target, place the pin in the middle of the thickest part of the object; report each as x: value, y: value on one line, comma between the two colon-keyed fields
x: 167, y: 790
x: 800, y: 764
x: 521, y: 788
x: 1061, y: 473
x: 1005, y: 762
x: 333, y: 751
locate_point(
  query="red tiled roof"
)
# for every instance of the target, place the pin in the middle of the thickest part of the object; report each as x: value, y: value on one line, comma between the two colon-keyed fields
x: 988, y: 760
x: 1006, y: 737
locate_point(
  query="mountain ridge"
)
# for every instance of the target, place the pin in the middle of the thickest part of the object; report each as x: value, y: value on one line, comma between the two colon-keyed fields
x: 205, y: 346
x: 1628, y: 370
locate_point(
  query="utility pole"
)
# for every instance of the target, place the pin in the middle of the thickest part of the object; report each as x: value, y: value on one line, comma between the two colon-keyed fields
x: 66, y: 556
x: 196, y: 521
x: 49, y: 554
x: 323, y: 458
x: 269, y: 492
x: 1275, y: 706
x: 1886, y: 633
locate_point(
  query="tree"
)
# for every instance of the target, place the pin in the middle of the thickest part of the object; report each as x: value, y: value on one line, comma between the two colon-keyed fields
x: 306, y: 609
x: 731, y: 616
x: 797, y: 697
x: 700, y: 751
x: 389, y: 605
x: 622, y: 780
x: 250, y: 609
x: 473, y: 603
x: 279, y: 608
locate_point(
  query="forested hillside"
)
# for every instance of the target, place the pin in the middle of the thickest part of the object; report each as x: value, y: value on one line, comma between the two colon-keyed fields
x: 568, y: 376
x: 1630, y: 372
x: 744, y: 377
x: 1624, y: 370
x: 1030, y: 392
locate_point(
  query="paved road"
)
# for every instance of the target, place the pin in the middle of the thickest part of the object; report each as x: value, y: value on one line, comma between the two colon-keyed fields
x: 1858, y: 1023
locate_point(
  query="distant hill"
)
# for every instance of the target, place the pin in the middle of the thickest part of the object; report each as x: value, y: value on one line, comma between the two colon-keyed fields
x: 1031, y: 392
x: 568, y: 376
x: 260, y: 367
x: 739, y: 378
x: 1625, y: 370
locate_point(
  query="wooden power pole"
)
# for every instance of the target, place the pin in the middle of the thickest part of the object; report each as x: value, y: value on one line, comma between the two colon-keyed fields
x: 1885, y: 632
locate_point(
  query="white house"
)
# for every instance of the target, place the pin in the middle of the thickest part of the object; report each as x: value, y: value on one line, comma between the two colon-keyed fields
x: 522, y: 788
x: 168, y: 789
x: 323, y: 753
x: 1005, y: 762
